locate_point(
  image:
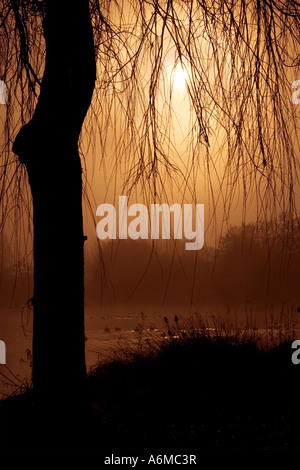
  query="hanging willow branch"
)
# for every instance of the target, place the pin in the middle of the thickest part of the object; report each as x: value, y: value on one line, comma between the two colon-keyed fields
x: 241, y: 58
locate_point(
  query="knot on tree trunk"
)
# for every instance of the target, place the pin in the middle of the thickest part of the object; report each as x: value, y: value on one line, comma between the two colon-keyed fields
x: 27, y: 143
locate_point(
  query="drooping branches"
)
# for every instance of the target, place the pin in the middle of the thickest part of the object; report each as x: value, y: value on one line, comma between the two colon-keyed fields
x: 241, y: 58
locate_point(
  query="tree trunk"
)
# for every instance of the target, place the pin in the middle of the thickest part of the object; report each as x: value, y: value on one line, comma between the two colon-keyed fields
x: 48, y: 146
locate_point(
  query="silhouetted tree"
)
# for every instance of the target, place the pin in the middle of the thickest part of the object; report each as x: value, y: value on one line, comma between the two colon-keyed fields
x: 240, y: 58
x: 48, y: 147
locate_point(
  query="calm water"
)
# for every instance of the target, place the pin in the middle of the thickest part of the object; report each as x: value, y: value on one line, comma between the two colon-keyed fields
x: 105, y: 328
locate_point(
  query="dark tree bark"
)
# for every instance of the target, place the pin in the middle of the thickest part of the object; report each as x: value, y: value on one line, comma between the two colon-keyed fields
x: 48, y: 147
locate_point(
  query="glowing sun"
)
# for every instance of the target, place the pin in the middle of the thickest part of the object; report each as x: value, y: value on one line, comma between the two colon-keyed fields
x: 179, y: 78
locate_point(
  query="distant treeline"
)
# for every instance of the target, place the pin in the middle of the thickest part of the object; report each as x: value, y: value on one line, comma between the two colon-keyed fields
x: 251, y: 264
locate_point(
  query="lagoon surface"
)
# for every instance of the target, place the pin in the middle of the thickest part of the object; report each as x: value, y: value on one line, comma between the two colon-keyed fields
x: 106, y: 329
